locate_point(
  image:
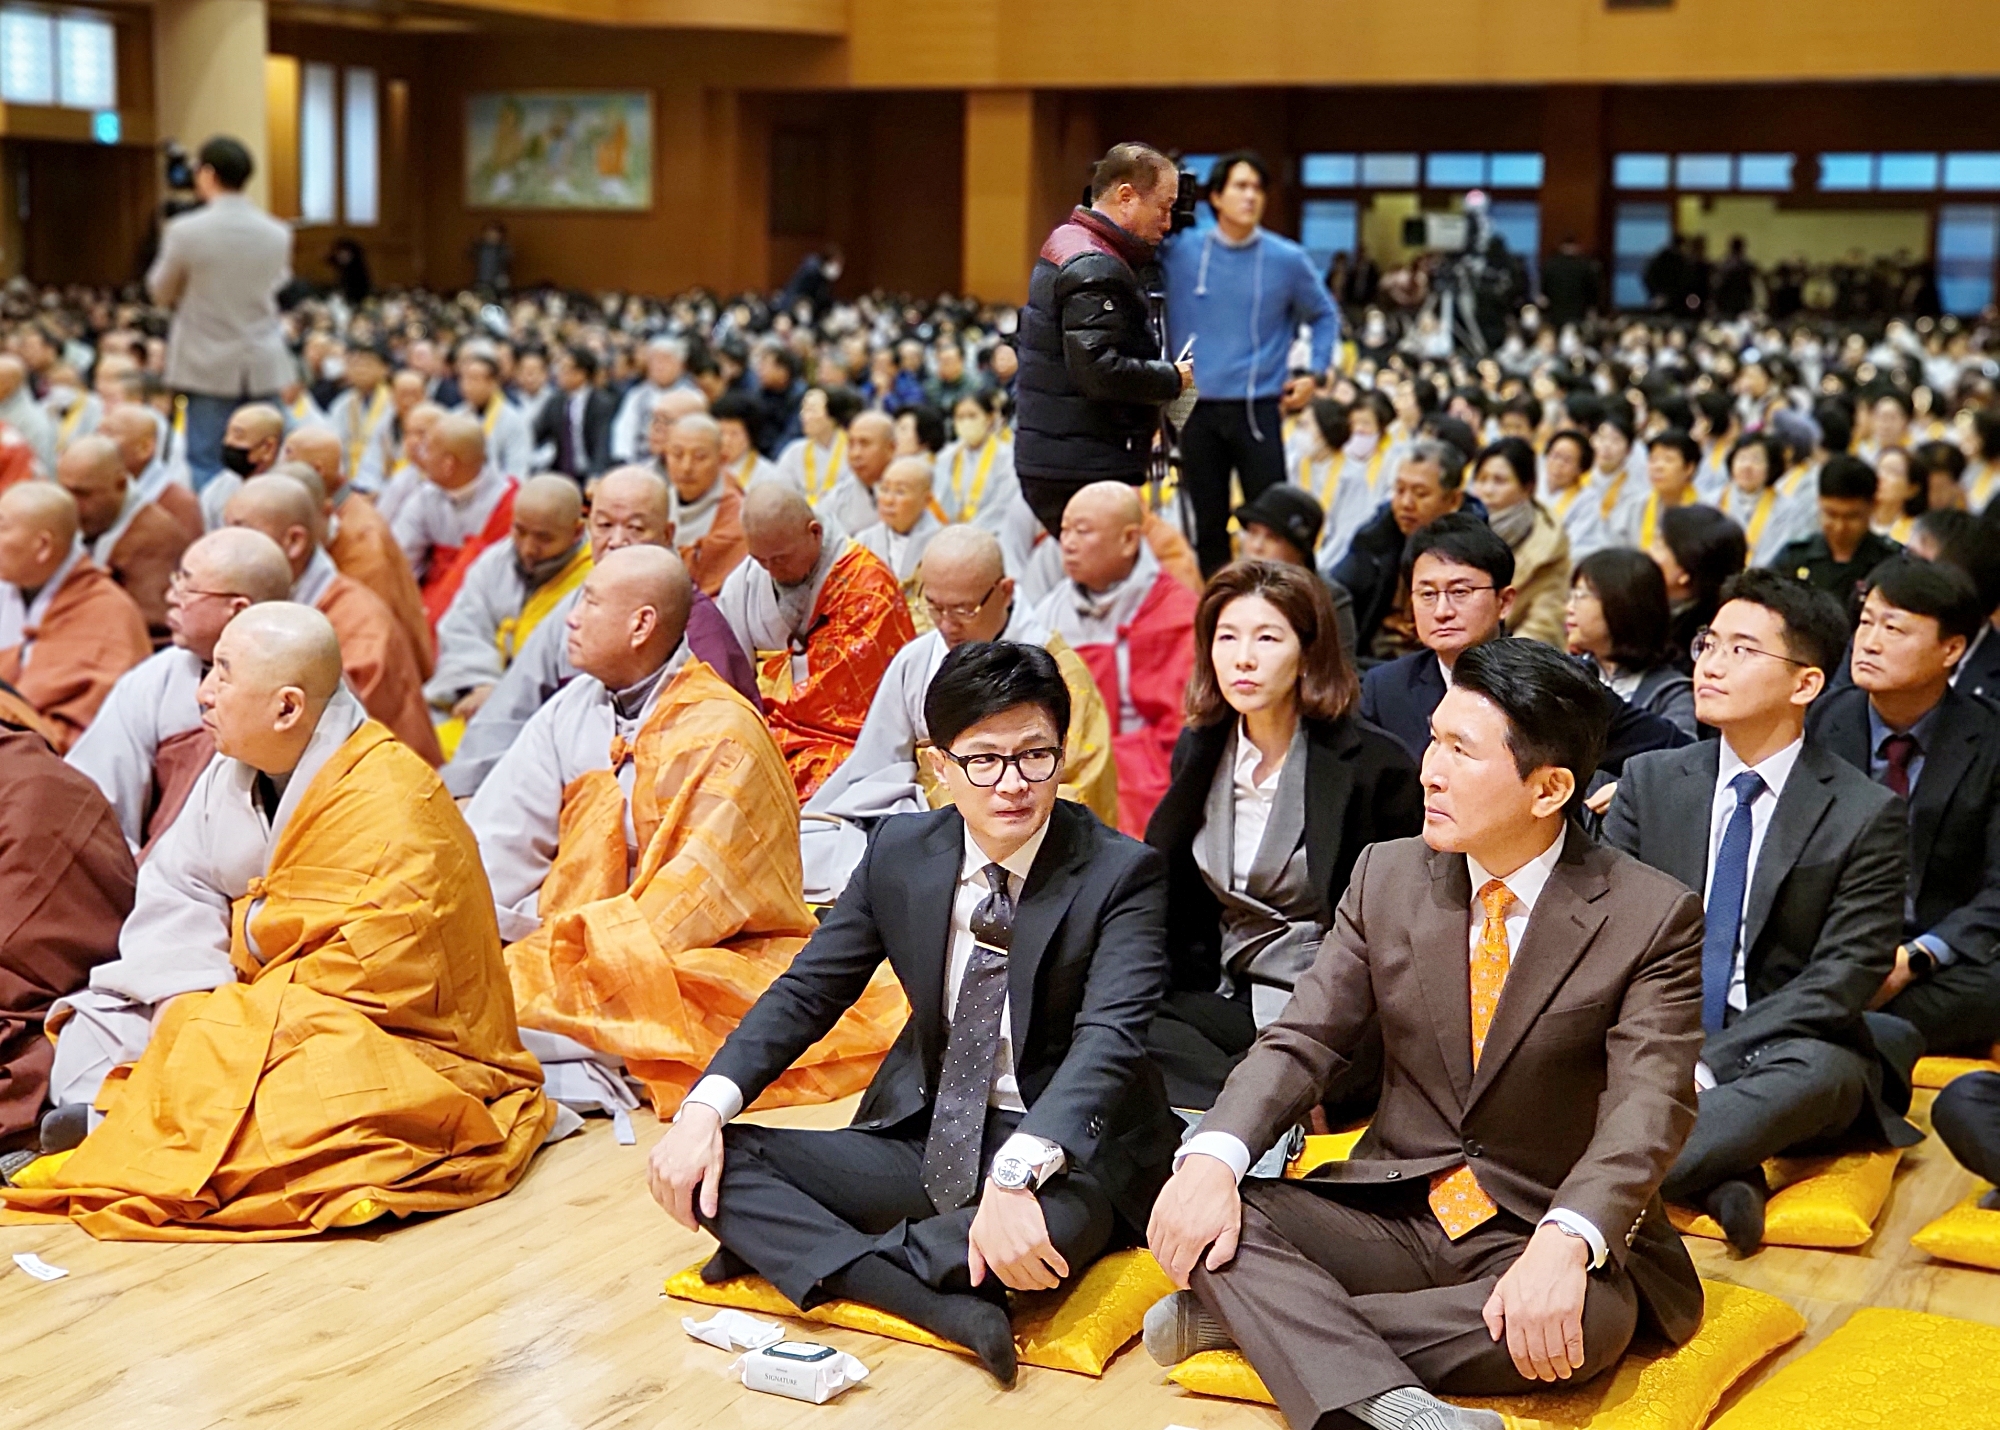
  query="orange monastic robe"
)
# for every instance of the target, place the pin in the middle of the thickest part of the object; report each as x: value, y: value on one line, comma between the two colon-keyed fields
x: 710, y: 560
x: 375, y: 657
x: 858, y: 625
x: 91, y: 634
x: 367, y: 1063
x: 143, y: 561
x: 363, y: 547
x: 658, y: 971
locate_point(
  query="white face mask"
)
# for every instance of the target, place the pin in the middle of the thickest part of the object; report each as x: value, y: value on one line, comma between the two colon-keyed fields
x: 62, y: 395
x: 1360, y: 446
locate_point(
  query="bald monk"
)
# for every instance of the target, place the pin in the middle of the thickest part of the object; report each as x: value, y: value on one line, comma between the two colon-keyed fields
x: 905, y: 522
x: 406, y: 473
x: 147, y: 746
x: 1133, y: 624
x: 969, y: 597
x: 250, y: 446
x: 871, y: 444
x: 136, y: 430
x: 386, y: 454
x: 359, y: 540
x: 375, y: 654
x: 67, y: 632
x: 65, y: 887
x: 464, y: 505
x: 641, y: 838
x: 628, y: 507
x: 707, y: 507
x: 823, y: 619
x: 507, y: 592
x: 134, y: 539
x: 308, y: 1024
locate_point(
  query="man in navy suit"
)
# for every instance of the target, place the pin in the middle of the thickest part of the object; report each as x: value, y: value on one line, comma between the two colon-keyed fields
x: 1017, y: 1118
x: 1460, y: 576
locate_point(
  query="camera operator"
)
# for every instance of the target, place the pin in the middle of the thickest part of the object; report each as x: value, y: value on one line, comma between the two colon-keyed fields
x: 220, y: 269
x: 1092, y: 377
x: 1241, y: 293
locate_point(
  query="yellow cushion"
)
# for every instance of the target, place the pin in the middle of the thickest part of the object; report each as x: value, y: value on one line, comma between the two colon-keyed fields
x: 1079, y: 1327
x: 1669, y: 1390
x: 1904, y: 1369
x: 1817, y: 1201
x: 1936, y: 1072
x: 42, y: 1171
x: 1965, y: 1233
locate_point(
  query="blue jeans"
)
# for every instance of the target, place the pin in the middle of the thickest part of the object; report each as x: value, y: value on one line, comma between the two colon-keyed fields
x: 207, y: 420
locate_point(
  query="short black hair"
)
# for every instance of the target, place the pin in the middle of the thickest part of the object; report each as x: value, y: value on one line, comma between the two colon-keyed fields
x: 1970, y: 544
x: 981, y: 679
x: 1516, y: 453
x: 929, y: 422
x: 1219, y: 171
x: 1847, y: 478
x: 1816, y: 629
x: 735, y: 407
x: 843, y: 404
x: 1556, y: 711
x: 583, y: 360
x: 229, y: 159
x: 1986, y: 425
x: 1890, y: 394
x: 1674, y: 439
x: 1716, y: 409
x: 1585, y: 454
x: 1934, y: 457
x: 1331, y: 419
x: 1633, y: 595
x: 1708, y: 545
x: 1931, y: 588
x: 1463, y: 539
x: 1836, y: 425
x: 1770, y: 446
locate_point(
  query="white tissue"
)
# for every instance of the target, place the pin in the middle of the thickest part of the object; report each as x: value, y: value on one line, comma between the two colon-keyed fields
x: 732, y: 1331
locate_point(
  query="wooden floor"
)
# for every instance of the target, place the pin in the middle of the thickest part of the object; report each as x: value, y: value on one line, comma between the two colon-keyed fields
x: 544, y: 1310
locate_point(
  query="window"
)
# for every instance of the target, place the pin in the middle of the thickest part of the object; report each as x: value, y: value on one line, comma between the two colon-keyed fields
x: 1907, y: 172
x: 1389, y: 171
x: 1702, y: 171
x: 1846, y: 173
x: 1329, y: 171
x: 27, y: 57
x: 1519, y: 221
x: 86, y: 63
x: 1972, y: 171
x: 316, y: 145
x: 1446, y: 170
x: 1455, y: 171
x: 1764, y: 173
x: 1639, y: 171
x: 1327, y: 227
x: 1968, y: 241
x: 1638, y: 232
x: 361, y: 164
x: 1515, y: 171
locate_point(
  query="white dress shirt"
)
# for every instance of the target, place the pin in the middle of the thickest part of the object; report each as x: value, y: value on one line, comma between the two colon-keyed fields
x: 1774, y: 771
x: 723, y: 1095
x: 1525, y: 884
x: 1251, y: 809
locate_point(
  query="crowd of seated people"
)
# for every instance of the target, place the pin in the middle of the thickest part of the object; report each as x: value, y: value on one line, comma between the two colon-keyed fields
x: 661, y: 663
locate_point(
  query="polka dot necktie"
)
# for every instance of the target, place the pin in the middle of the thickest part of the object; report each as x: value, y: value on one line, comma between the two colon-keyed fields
x: 958, y: 1120
x: 1456, y: 1196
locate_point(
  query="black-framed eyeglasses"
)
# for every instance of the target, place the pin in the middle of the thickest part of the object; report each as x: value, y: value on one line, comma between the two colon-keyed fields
x: 1037, y: 766
x: 1707, y: 643
x: 961, y: 613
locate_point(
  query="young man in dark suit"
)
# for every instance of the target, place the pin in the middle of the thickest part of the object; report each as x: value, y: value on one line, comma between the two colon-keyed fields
x: 1498, y: 1227
x: 1016, y: 1119
x: 574, y: 426
x: 1460, y: 577
x: 1904, y: 725
x: 1803, y: 863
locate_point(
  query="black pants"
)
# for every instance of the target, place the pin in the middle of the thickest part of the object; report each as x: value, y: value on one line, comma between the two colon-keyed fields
x: 800, y: 1205
x: 1217, y: 442
x: 1047, y: 496
x: 1337, y: 1294
x: 1966, y: 1118
x: 1957, y: 1008
x: 1199, y: 1038
x: 1801, y: 1093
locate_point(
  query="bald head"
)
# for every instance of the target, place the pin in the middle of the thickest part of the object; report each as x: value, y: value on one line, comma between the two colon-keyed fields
x: 227, y: 571
x: 548, y: 524
x: 276, y: 667
x: 1101, y: 534
x: 630, y: 506
x: 631, y: 615
x: 550, y: 497
x: 93, y: 473
x: 320, y: 449
x: 136, y: 432
x: 965, y: 584
x: 13, y: 372
x: 781, y: 532
x: 305, y: 476
x: 256, y: 430
x: 970, y: 551
x: 693, y: 453
x: 774, y: 507
x: 871, y: 443
x: 281, y: 508
x: 38, y: 527
x: 455, y: 451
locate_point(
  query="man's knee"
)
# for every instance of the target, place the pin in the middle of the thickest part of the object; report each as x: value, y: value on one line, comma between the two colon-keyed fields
x: 1966, y: 1117
x: 1610, y: 1318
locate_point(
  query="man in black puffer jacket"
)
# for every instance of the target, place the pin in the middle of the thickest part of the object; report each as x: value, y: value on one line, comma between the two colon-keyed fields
x: 1092, y: 375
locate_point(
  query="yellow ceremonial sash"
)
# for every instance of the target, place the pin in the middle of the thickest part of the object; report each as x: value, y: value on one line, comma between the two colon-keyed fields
x: 493, y: 413
x: 1649, y: 520
x: 357, y: 440
x: 1563, y: 503
x: 1610, y: 502
x: 301, y: 405
x: 180, y: 423
x: 1982, y: 486
x: 815, y: 489
x: 69, y: 420
x: 1322, y: 492
x: 1374, y: 473
x: 1899, y: 530
x: 968, y: 503
x: 544, y: 599
x: 743, y: 472
x: 1760, y: 515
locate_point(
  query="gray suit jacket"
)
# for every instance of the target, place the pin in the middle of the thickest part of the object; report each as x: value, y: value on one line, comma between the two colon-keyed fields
x: 220, y: 269
x: 1585, y: 1091
x: 1824, y: 911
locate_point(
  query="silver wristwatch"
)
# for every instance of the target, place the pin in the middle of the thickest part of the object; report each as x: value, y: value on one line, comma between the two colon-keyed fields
x: 1013, y: 1174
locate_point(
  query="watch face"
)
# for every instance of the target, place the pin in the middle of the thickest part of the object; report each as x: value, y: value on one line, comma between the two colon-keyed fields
x: 1011, y: 1174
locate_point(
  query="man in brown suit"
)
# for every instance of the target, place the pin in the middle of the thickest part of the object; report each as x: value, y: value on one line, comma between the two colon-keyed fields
x: 136, y: 540
x: 1499, y: 1225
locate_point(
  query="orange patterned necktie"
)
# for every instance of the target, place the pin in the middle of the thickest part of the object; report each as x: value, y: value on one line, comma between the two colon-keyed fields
x: 1456, y: 1197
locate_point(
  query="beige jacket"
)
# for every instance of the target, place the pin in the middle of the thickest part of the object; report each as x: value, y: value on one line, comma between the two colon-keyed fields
x: 1541, y: 582
x: 220, y: 269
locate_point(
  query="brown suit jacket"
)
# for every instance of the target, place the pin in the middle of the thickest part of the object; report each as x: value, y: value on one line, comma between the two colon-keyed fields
x: 1585, y: 1090
x: 143, y: 562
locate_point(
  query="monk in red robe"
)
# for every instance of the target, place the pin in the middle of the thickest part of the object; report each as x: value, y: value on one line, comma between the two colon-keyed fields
x: 821, y: 619
x: 136, y: 540
x: 462, y: 506
x: 67, y: 632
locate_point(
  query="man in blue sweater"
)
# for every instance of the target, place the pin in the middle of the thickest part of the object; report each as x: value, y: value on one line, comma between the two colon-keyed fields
x: 1242, y: 293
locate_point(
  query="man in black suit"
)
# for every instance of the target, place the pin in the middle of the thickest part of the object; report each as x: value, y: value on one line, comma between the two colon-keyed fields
x: 1017, y: 1117
x: 1802, y: 862
x: 1903, y: 725
x: 575, y: 424
x: 1460, y: 575
x: 1972, y: 544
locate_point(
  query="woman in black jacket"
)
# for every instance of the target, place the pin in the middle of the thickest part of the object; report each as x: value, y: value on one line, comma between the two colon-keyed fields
x: 1278, y: 784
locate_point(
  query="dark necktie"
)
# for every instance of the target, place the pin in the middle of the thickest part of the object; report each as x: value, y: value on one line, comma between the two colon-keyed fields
x: 958, y: 1120
x: 1898, y: 751
x: 1724, y: 922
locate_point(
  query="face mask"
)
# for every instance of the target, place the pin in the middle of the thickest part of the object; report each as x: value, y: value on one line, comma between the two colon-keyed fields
x: 238, y: 460
x: 1360, y: 446
x: 62, y: 395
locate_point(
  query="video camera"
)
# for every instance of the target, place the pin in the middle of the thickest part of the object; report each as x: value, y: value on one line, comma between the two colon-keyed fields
x: 1186, y: 197
x: 178, y: 171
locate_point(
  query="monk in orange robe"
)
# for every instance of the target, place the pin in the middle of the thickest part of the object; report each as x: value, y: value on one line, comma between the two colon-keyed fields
x: 707, y: 505
x: 360, y: 542
x: 375, y: 655
x: 309, y: 1023
x: 649, y: 762
x: 67, y: 632
x: 132, y: 538
x: 821, y: 619
x: 135, y: 431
